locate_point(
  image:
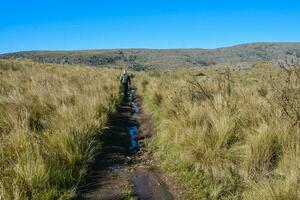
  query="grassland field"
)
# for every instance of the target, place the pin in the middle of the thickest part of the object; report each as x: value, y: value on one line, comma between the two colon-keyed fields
x: 226, y: 134
x: 50, y: 116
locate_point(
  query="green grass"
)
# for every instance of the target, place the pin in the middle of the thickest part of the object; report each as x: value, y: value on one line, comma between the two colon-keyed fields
x: 128, y: 193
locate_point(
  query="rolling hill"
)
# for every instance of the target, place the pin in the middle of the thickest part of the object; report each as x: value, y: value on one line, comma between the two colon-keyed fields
x: 243, y: 55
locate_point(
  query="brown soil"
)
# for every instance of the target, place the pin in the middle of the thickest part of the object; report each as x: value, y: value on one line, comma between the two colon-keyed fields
x: 103, y: 181
x: 117, y: 168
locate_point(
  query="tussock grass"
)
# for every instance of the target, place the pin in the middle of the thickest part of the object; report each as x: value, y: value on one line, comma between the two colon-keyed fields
x: 230, y: 135
x: 50, y: 116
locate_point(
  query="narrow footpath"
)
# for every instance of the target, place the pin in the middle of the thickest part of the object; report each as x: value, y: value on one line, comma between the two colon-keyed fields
x: 123, y: 170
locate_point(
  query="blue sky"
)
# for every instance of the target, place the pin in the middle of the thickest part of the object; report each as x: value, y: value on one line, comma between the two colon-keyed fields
x: 92, y: 24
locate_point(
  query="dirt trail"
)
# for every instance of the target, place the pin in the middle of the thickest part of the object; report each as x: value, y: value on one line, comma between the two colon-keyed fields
x: 121, y: 165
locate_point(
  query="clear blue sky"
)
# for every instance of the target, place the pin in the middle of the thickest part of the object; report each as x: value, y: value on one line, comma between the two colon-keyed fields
x: 98, y: 24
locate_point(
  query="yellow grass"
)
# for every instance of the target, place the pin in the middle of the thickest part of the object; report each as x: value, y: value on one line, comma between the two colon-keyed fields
x: 230, y: 135
x: 49, y: 118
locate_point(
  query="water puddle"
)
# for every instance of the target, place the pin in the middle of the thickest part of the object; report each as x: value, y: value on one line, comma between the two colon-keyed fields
x: 118, y: 170
x: 114, y: 167
x: 131, y: 95
x: 135, y: 110
x: 146, y: 183
x: 148, y: 186
x: 133, y: 129
x: 134, y: 144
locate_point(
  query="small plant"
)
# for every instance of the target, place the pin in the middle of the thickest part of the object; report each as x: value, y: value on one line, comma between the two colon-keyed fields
x: 288, y: 88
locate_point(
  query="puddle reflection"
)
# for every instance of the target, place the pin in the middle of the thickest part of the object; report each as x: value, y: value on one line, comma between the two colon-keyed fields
x: 133, y: 130
x: 134, y: 144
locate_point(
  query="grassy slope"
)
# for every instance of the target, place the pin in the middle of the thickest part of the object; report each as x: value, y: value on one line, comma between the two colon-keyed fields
x: 162, y: 59
x: 229, y: 136
x: 49, y: 117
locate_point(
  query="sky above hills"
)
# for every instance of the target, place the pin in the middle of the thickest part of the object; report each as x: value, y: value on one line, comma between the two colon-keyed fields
x: 92, y: 24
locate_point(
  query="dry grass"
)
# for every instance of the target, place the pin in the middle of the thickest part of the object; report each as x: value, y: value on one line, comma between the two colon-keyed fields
x: 49, y: 118
x: 231, y: 135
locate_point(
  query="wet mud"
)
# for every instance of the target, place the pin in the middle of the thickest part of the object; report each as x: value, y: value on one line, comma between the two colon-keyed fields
x: 121, y: 162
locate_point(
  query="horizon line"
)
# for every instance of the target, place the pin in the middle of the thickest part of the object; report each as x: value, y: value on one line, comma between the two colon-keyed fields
x: 145, y: 48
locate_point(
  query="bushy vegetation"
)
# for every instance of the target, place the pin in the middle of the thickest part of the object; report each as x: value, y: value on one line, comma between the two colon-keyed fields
x: 228, y: 134
x: 50, y: 116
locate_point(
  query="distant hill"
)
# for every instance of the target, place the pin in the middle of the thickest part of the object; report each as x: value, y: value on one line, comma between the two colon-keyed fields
x: 143, y: 59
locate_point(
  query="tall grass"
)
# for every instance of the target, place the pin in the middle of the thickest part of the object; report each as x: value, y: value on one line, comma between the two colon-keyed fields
x: 50, y: 116
x: 230, y: 135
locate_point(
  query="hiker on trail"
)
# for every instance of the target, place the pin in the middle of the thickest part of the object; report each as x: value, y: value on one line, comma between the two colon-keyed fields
x: 125, y: 81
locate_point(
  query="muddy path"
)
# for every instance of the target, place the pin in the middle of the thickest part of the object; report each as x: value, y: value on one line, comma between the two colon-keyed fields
x: 123, y: 170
